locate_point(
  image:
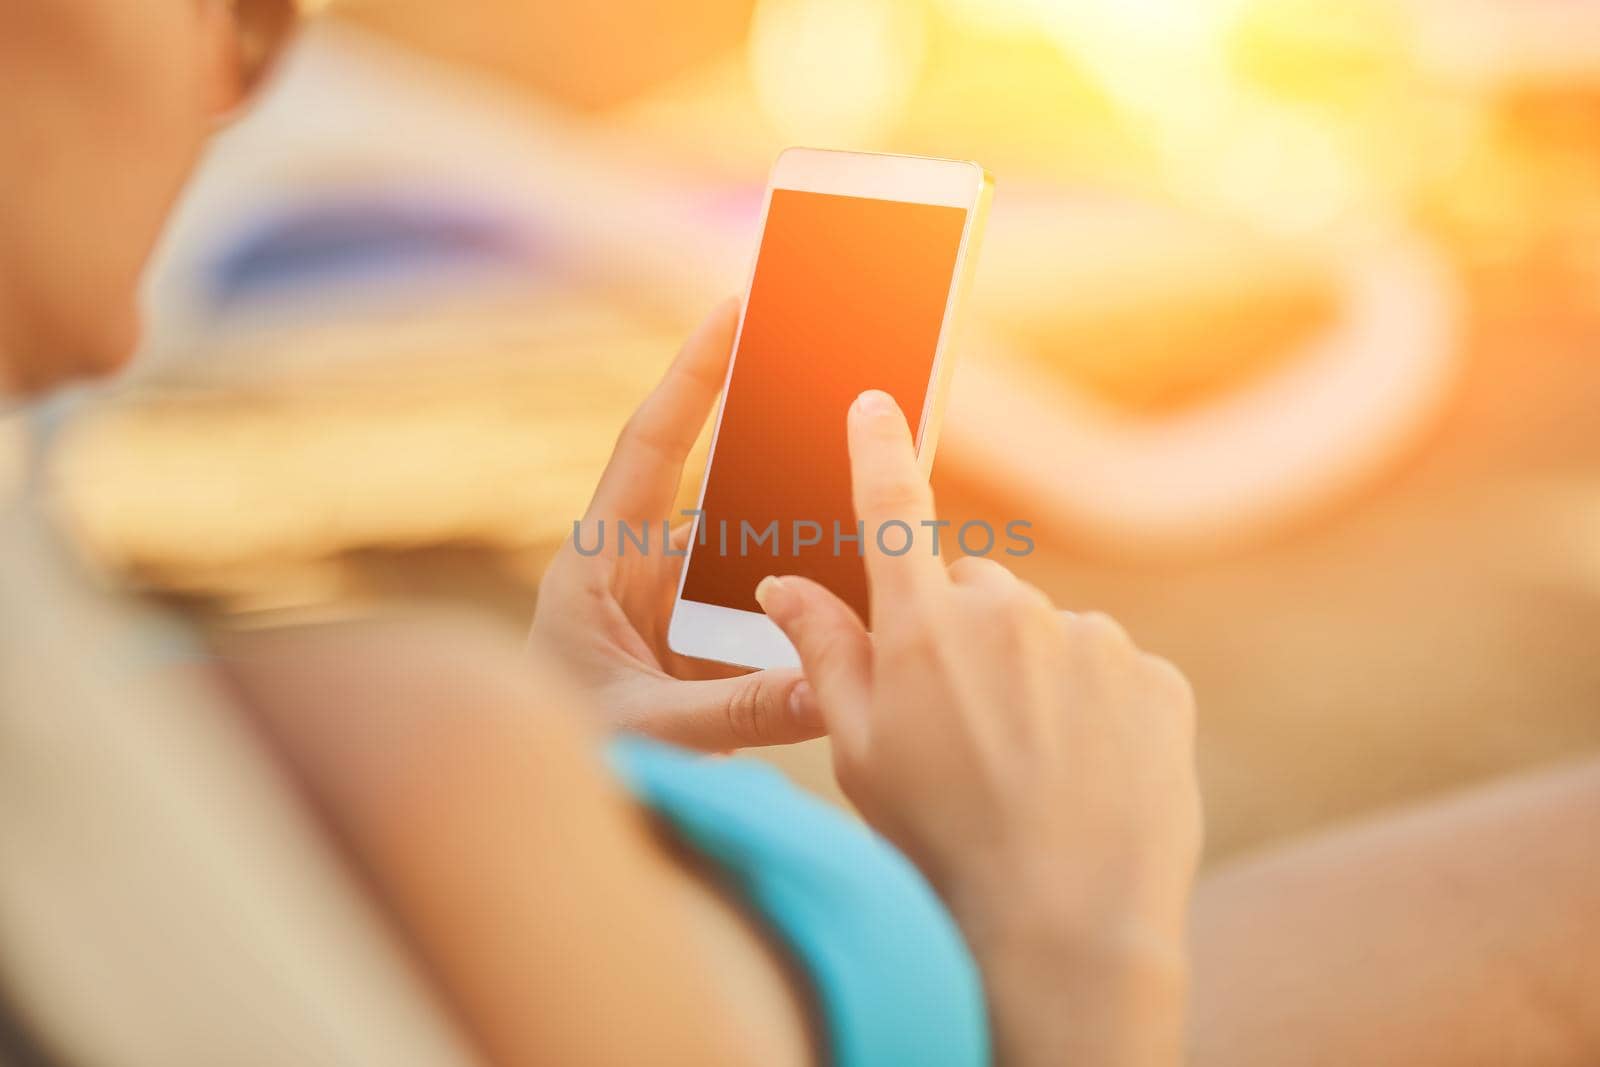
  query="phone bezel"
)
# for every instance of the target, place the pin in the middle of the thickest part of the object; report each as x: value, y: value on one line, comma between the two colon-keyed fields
x: 749, y: 638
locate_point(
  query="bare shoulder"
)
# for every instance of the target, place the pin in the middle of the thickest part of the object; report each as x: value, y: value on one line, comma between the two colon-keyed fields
x: 464, y: 776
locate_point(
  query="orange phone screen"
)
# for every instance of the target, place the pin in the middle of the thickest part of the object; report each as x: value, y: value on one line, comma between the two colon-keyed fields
x: 849, y: 294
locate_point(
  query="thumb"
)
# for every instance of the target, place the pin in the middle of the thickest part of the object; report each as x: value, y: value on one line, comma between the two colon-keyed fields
x: 834, y: 648
x: 764, y: 708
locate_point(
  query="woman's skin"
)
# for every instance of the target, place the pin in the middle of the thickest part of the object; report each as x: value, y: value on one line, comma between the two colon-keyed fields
x: 105, y: 106
x: 1046, y: 788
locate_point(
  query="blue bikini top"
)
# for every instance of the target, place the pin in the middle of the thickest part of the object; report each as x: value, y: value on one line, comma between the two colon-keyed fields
x: 893, y: 977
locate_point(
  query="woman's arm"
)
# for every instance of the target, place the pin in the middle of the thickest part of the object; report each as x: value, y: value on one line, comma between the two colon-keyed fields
x: 555, y: 920
x: 1037, y: 766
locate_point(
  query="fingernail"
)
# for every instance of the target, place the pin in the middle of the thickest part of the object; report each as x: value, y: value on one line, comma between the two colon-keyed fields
x: 772, y: 596
x: 803, y: 702
x: 876, y: 402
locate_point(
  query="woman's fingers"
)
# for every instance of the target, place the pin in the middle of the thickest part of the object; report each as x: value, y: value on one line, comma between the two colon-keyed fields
x: 773, y: 707
x: 646, y: 465
x: 893, y: 502
x: 833, y: 645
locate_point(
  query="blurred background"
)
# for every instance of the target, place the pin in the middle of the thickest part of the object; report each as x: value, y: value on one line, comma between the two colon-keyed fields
x: 1286, y: 337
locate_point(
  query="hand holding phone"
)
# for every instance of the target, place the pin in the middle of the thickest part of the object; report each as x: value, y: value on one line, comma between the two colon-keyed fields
x: 603, y: 614
x: 863, y: 264
x: 857, y: 285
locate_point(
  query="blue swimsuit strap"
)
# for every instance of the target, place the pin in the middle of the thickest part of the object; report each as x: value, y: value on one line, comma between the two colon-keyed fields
x: 894, y: 979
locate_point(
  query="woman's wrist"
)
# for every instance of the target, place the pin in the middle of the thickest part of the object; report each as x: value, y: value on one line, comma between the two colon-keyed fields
x: 1109, y: 998
x: 1070, y: 981
x: 1125, y: 950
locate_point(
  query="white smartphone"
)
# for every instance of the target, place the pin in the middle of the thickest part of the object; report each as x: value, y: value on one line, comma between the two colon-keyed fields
x: 862, y: 269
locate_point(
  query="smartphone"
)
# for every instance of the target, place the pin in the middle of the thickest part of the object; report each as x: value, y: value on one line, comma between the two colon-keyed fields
x: 858, y: 281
